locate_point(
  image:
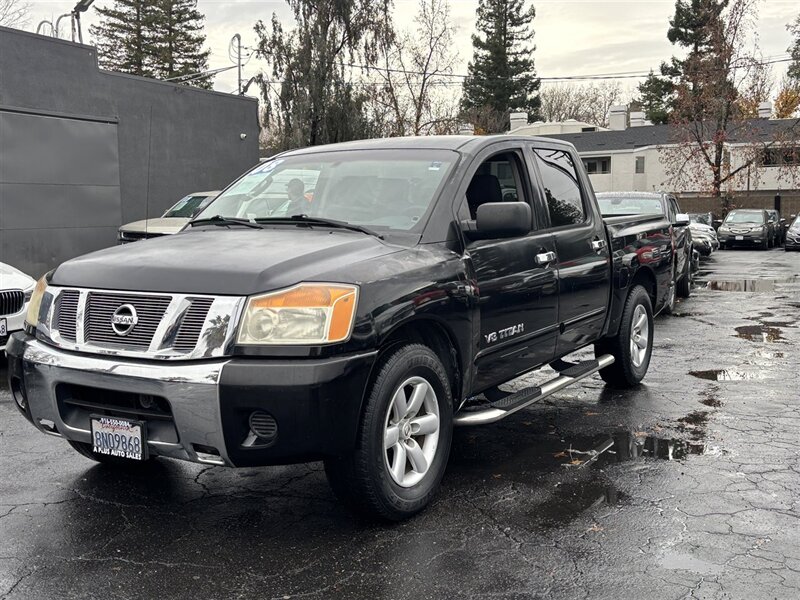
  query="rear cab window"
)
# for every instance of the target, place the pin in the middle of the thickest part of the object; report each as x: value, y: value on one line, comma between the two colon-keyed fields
x: 564, y: 198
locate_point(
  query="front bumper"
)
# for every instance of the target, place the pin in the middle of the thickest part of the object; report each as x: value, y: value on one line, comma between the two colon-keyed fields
x: 748, y: 239
x: 14, y: 323
x: 204, y: 406
x: 792, y: 243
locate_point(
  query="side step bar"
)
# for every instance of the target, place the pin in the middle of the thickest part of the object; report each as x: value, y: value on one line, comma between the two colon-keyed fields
x: 519, y: 400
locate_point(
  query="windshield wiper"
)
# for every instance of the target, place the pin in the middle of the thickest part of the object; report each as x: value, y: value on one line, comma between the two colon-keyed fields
x: 306, y: 220
x: 227, y: 221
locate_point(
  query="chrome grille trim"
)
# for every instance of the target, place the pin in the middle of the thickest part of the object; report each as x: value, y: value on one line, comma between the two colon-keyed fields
x: 66, y: 321
x: 171, y: 326
x: 11, y: 302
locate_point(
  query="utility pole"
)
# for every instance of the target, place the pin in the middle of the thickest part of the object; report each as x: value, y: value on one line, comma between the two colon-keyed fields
x: 238, y: 39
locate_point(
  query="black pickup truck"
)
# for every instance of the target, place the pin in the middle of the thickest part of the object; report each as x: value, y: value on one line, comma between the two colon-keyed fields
x: 347, y: 303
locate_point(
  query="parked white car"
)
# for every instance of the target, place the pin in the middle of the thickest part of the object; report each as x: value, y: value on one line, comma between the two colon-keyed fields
x: 170, y: 222
x: 15, y: 292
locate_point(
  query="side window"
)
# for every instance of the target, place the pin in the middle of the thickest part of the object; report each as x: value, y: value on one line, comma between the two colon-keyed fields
x: 498, y: 179
x: 674, y: 210
x: 561, y: 187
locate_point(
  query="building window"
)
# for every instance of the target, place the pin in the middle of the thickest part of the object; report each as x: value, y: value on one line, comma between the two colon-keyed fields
x: 781, y: 157
x: 598, y: 166
x: 588, y: 129
x: 640, y: 164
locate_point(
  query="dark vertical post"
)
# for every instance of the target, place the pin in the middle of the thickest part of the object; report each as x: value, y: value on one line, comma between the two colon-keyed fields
x: 777, y: 205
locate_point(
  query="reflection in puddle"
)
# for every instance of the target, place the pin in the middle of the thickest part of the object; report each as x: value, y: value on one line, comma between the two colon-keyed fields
x: 727, y: 375
x: 759, y: 333
x: 625, y: 446
x: 747, y: 285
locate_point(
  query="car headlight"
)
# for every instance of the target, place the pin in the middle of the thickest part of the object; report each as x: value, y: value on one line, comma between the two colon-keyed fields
x: 308, y: 313
x: 35, y: 302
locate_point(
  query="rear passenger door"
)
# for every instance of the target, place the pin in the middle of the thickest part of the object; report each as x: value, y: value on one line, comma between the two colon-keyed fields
x: 517, y: 294
x: 584, y: 272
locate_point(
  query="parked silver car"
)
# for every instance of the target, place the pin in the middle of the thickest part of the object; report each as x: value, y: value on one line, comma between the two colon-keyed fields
x: 170, y: 222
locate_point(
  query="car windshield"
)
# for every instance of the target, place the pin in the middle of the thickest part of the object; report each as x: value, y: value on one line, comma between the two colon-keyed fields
x: 629, y: 205
x: 745, y: 216
x: 379, y: 189
x: 188, y: 206
x: 773, y: 216
x: 795, y: 226
x: 703, y: 219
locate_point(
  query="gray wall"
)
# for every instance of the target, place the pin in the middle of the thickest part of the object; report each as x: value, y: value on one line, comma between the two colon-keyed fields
x: 83, y: 151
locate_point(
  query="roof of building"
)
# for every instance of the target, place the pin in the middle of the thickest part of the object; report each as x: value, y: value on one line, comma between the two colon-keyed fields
x: 660, y: 135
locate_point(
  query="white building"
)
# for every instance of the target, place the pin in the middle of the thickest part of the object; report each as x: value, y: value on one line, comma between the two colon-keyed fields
x: 628, y: 155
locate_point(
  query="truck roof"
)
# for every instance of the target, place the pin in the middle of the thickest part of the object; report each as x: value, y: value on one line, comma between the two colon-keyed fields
x: 468, y: 144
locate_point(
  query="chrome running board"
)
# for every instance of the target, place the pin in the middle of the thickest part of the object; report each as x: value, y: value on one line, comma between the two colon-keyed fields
x: 523, y: 398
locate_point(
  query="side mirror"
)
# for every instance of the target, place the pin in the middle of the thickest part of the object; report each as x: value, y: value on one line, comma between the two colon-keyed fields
x: 681, y: 220
x: 500, y: 220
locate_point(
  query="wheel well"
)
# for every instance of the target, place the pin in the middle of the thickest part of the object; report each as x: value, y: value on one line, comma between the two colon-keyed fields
x: 647, y: 280
x: 437, y: 338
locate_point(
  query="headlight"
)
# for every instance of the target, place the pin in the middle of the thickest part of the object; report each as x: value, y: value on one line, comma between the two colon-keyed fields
x: 35, y: 302
x: 309, y: 313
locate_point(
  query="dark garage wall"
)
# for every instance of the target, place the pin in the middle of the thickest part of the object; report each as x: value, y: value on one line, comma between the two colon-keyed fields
x: 170, y: 140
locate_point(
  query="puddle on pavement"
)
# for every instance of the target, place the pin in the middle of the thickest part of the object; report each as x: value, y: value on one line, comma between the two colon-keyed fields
x: 759, y: 333
x: 747, y: 285
x: 726, y: 375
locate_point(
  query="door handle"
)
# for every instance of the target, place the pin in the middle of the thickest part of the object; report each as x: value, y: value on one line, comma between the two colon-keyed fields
x: 545, y: 258
x: 598, y: 245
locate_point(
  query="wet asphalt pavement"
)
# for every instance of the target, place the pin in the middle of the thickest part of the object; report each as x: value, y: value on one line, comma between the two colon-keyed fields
x: 686, y: 487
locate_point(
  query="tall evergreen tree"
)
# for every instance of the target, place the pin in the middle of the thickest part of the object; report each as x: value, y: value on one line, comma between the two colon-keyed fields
x: 123, y: 35
x: 153, y: 38
x: 694, y: 26
x: 177, y: 41
x: 502, y: 76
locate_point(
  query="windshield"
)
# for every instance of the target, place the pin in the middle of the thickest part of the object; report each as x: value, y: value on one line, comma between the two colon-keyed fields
x: 629, y: 205
x: 188, y: 206
x: 379, y: 189
x: 738, y: 216
x: 702, y: 218
x: 795, y: 226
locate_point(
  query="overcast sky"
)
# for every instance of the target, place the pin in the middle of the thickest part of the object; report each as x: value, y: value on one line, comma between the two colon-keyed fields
x: 573, y: 37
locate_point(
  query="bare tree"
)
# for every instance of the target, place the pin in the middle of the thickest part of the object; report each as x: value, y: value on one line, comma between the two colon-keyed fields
x: 715, y: 141
x: 415, y: 93
x: 589, y: 103
x: 14, y: 13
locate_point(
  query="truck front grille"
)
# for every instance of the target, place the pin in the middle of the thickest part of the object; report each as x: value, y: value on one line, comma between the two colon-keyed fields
x: 100, y: 308
x: 11, y: 302
x: 166, y: 325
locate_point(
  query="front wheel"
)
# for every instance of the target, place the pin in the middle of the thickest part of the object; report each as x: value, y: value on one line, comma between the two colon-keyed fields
x: 633, y: 344
x: 404, y: 438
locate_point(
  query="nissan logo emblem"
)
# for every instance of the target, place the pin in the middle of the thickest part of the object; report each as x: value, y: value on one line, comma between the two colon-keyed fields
x: 124, y: 319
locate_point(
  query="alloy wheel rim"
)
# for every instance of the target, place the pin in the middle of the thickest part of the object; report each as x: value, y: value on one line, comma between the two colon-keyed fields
x: 411, y: 431
x: 640, y: 336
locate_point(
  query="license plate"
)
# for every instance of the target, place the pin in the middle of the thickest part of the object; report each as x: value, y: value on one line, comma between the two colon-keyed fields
x: 3, y: 328
x: 118, y: 437
x: 739, y: 238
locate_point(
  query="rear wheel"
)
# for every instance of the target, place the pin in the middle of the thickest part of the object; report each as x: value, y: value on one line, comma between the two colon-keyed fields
x: 684, y: 284
x: 633, y: 344
x: 114, y: 461
x: 403, y: 441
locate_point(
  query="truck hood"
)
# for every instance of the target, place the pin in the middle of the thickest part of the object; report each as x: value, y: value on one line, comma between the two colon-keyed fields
x: 234, y: 262
x: 162, y: 225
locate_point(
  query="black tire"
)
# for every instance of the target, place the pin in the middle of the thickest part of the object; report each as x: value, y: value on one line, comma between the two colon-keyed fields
x: 684, y: 284
x: 624, y: 373
x: 114, y: 461
x: 362, y: 479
